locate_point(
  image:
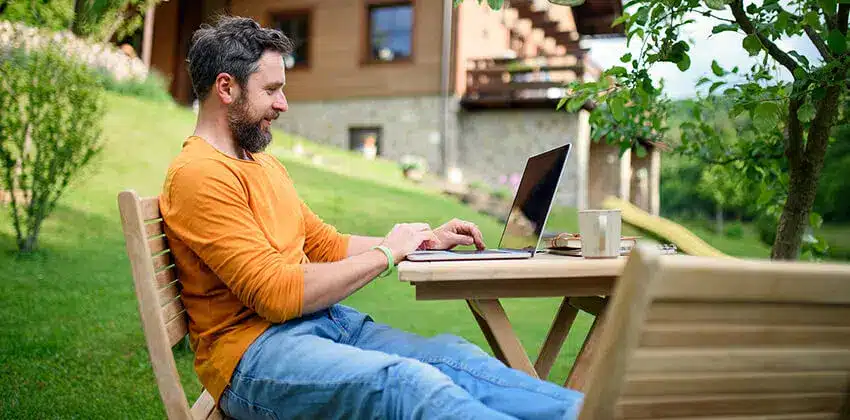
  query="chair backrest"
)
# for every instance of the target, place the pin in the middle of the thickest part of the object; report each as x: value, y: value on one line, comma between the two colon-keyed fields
x: 163, y: 317
x: 695, y: 337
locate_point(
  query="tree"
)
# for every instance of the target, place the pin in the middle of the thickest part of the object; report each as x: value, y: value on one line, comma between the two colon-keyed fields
x: 100, y: 20
x: 790, y: 123
x: 50, y: 113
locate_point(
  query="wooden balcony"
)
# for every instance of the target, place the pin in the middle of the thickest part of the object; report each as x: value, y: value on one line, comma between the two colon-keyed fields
x: 535, y: 82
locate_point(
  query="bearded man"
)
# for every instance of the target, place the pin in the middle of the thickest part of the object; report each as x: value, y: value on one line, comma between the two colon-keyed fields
x: 262, y: 275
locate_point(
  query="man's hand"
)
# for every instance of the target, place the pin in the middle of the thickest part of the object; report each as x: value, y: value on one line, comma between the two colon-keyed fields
x: 408, y: 237
x: 457, y: 232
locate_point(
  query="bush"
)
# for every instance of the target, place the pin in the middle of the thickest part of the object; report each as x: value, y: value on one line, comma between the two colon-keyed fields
x: 734, y: 230
x: 766, y: 226
x: 50, y: 129
x: 154, y: 86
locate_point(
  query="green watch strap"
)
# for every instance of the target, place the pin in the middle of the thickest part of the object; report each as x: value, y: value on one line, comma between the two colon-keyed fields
x: 390, y: 260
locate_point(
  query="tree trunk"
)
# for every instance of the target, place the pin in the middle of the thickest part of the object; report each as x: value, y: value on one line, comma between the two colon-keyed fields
x: 79, y: 16
x: 805, y: 164
x: 718, y: 218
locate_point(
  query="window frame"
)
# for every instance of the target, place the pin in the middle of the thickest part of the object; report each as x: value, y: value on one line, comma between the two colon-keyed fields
x: 307, y: 13
x: 366, y: 53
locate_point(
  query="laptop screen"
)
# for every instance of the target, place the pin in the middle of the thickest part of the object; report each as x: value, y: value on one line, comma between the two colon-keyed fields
x: 533, y: 200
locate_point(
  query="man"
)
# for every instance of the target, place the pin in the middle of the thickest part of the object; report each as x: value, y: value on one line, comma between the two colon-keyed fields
x: 262, y: 275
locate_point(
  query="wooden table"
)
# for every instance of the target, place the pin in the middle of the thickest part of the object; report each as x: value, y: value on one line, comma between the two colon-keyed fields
x: 584, y: 285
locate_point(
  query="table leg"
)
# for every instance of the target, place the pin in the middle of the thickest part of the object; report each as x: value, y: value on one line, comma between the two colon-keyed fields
x: 555, y: 339
x: 579, y: 372
x: 500, y: 335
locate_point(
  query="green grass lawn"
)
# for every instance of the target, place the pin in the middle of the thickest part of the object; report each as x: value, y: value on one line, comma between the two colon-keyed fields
x: 71, y: 344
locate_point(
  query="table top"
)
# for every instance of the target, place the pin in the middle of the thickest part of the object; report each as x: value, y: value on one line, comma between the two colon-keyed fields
x: 542, y: 266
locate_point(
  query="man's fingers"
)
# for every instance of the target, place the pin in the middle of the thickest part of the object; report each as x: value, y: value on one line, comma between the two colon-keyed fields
x: 461, y: 239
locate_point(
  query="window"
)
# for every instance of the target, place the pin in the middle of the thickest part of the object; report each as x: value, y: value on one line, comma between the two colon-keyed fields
x: 390, y: 31
x: 365, y: 140
x: 296, y: 26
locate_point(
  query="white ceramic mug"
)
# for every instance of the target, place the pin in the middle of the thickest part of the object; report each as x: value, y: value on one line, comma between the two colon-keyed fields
x: 600, y: 233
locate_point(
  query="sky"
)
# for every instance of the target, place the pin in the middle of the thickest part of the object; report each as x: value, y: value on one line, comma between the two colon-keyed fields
x: 724, y: 47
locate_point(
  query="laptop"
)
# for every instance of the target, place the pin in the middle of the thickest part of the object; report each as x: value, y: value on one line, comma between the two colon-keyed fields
x: 530, y: 209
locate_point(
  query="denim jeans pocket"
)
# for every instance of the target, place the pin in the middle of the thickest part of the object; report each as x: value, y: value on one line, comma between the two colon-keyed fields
x: 240, y: 408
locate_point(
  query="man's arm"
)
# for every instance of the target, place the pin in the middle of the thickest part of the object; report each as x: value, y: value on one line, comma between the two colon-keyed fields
x: 209, y: 211
x: 360, y: 244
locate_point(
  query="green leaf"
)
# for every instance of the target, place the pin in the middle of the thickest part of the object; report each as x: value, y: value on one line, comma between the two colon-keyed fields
x: 815, y: 220
x: 703, y: 80
x: 575, y: 103
x: 800, y: 73
x: 812, y: 19
x: 836, y: 41
x: 618, y: 108
x: 752, y: 44
x: 724, y: 27
x: 801, y: 58
x: 752, y: 9
x: 716, y: 4
x: 656, y: 12
x: 626, y: 57
x: 806, y: 112
x: 684, y: 63
x: 642, y: 15
x: 781, y: 21
x: 714, y: 86
x: 495, y: 4
x: 617, y: 71
x: 716, y: 69
x: 766, y: 116
x: 561, y: 102
x: 828, y: 6
x: 818, y: 93
x: 640, y: 151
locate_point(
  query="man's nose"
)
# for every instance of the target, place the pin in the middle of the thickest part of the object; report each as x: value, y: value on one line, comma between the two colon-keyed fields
x: 280, y: 104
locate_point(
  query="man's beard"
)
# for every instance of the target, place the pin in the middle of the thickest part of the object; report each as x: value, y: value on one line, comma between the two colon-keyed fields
x: 248, y: 133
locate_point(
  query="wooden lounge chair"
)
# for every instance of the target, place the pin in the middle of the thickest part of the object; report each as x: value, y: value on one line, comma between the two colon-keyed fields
x: 715, y: 338
x: 158, y: 292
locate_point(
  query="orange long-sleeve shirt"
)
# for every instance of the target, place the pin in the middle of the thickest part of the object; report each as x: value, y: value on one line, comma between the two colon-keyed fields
x: 239, y: 235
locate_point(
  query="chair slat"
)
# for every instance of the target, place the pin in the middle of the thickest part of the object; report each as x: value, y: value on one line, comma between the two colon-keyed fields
x: 165, y: 278
x: 735, y: 404
x: 171, y: 309
x: 158, y: 244
x: 672, y: 384
x: 748, y: 313
x: 691, y: 279
x: 168, y: 294
x: 161, y: 261
x: 738, y: 360
x: 714, y: 335
x: 795, y: 416
x: 150, y: 208
x: 153, y: 229
x: 204, y: 406
x: 176, y: 329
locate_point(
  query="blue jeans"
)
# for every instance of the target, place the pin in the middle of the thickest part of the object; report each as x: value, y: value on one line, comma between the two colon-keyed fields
x: 340, y: 364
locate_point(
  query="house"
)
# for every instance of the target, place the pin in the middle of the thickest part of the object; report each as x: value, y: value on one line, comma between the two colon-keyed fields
x: 470, y: 90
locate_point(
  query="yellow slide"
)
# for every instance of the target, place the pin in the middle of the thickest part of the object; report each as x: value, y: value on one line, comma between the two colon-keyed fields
x: 684, y: 239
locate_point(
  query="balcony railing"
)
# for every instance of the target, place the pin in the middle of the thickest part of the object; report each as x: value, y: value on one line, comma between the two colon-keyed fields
x: 519, y: 82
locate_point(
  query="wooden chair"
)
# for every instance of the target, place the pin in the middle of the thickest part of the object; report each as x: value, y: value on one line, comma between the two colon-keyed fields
x: 697, y: 338
x: 158, y: 292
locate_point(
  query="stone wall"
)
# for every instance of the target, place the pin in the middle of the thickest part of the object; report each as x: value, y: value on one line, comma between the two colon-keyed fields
x: 494, y: 144
x: 488, y: 146
x: 409, y: 125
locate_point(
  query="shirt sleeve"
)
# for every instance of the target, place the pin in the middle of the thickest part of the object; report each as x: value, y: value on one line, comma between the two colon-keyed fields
x: 208, y: 210
x: 323, y: 243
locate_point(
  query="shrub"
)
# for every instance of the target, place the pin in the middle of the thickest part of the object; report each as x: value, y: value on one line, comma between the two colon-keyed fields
x: 766, y: 226
x: 734, y: 230
x: 501, y: 194
x: 154, y: 86
x: 50, y: 129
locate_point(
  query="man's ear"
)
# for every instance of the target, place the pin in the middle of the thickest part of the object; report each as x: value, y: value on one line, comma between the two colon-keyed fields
x: 226, y: 88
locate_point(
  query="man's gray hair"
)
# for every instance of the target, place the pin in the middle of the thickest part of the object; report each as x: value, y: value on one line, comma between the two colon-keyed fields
x: 233, y: 45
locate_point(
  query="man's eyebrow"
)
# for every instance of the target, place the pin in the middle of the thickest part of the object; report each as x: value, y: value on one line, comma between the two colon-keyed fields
x: 275, y: 85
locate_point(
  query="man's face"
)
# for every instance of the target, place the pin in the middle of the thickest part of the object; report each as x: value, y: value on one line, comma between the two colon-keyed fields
x: 258, y: 103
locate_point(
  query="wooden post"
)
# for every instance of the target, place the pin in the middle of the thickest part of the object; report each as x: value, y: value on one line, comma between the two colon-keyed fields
x: 147, y: 36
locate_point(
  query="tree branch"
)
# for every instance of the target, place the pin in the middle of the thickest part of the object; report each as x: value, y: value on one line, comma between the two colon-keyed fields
x: 746, y: 24
x: 818, y: 41
x: 841, y: 17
